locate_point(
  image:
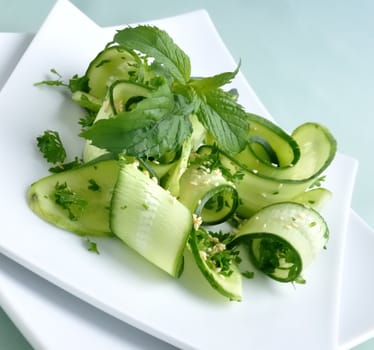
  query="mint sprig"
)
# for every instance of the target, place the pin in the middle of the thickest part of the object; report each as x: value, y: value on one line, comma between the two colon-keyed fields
x: 160, y: 122
x: 156, y: 43
x: 157, y: 125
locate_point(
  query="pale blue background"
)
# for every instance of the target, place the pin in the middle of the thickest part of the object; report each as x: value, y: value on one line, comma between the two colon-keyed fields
x: 307, y: 60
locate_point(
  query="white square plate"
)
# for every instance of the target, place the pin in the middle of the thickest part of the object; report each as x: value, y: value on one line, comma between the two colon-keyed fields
x: 118, y: 281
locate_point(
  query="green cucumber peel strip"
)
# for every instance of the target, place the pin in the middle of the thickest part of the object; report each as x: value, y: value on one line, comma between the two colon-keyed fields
x: 208, y: 193
x: 229, y: 285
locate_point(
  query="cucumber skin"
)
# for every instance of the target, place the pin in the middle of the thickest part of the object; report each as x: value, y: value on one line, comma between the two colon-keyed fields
x: 94, y: 219
x: 230, y: 287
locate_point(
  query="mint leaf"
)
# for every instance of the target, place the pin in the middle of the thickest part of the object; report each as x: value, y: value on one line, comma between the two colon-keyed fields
x: 158, y: 124
x: 156, y: 43
x: 225, y: 119
x: 214, y: 82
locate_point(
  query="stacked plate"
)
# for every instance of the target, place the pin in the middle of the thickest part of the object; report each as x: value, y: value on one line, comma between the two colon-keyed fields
x: 63, y: 297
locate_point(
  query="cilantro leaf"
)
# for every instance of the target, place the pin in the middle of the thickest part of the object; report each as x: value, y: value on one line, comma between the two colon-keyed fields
x: 225, y: 119
x: 51, y: 146
x: 156, y: 43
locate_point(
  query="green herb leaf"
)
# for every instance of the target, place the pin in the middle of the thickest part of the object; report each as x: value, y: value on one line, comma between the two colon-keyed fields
x: 69, y: 200
x: 77, y: 83
x: 248, y: 274
x: 158, y: 124
x: 51, y: 146
x: 88, y: 119
x: 66, y: 166
x: 93, y: 186
x: 55, y: 82
x: 225, y: 119
x: 156, y: 43
x: 217, y: 256
x: 212, y: 83
x: 92, y: 246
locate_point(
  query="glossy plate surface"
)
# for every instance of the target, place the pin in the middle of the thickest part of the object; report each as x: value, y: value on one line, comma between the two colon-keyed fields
x: 118, y: 281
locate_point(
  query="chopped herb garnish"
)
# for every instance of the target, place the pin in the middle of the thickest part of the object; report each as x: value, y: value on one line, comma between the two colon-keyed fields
x: 76, y: 83
x: 66, y: 166
x: 92, y: 246
x: 214, y: 251
x: 69, y: 200
x: 93, y: 186
x: 248, y: 274
x: 51, y: 146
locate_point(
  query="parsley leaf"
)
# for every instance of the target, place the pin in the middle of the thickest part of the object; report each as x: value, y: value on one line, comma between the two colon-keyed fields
x: 69, y: 200
x: 66, y: 166
x: 92, y: 246
x: 77, y: 83
x: 216, y: 254
x: 51, y: 146
x: 156, y: 43
x: 248, y: 274
x: 93, y: 186
x: 56, y: 82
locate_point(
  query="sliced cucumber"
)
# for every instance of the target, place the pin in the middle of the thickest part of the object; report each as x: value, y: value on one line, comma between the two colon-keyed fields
x: 278, y: 167
x: 86, y: 100
x: 113, y: 63
x: 120, y: 96
x: 205, y: 248
x: 87, y: 192
x: 149, y: 219
x: 317, y: 198
x: 208, y: 193
x: 283, y: 239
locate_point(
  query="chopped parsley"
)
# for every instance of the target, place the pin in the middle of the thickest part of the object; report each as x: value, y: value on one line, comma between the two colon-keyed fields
x: 93, y: 186
x: 51, y: 146
x: 248, y: 274
x: 214, y: 251
x: 92, y: 246
x: 69, y: 200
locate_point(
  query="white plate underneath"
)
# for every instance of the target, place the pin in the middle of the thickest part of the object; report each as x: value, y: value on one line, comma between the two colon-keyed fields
x: 150, y: 301
x: 51, y: 318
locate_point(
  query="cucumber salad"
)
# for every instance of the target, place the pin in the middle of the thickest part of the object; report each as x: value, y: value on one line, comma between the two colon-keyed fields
x: 173, y: 162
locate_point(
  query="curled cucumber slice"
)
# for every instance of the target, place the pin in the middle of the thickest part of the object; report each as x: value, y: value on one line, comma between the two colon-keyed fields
x: 283, y: 239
